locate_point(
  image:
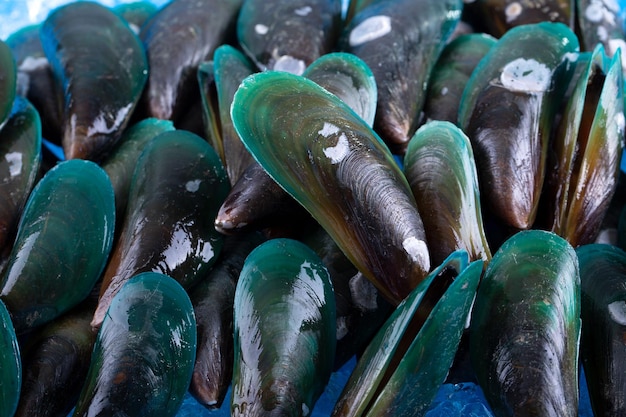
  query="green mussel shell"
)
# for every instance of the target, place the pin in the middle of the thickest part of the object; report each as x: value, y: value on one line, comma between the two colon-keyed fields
x: 11, y: 365
x: 525, y: 327
x: 120, y: 163
x: 63, y: 241
x: 349, y: 78
x: 102, y: 67
x: 176, y: 190
x: 587, y: 150
x: 332, y: 162
x: 20, y: 153
x: 451, y: 73
x: 507, y: 111
x: 402, y: 368
x: 439, y: 165
x: 56, y: 360
x: 284, y: 331
x: 602, y: 345
x: 210, y: 107
x: 288, y: 35
x: 144, y: 353
x: 178, y: 38
x: 400, y: 41
x: 8, y: 81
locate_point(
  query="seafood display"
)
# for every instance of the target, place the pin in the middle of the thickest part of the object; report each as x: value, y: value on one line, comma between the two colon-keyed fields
x: 230, y: 200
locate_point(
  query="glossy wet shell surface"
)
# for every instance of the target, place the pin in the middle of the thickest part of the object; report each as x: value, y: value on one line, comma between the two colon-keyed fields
x: 284, y: 331
x: 69, y: 219
x: 328, y: 159
x: 144, y: 353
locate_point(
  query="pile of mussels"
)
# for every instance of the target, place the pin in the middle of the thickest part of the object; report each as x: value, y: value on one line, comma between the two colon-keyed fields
x: 255, y: 191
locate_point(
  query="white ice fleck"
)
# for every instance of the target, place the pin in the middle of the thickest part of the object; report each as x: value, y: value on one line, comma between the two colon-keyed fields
x: 602, y: 33
x: 338, y: 152
x: 370, y: 29
x: 617, y: 312
x: 620, y: 121
x: 594, y: 12
x: 15, y: 163
x: 304, y: 11
x: 513, y: 11
x: 31, y: 64
x: 612, y: 5
x: 290, y: 64
x: 416, y: 249
x: 261, y: 29
x: 328, y: 130
x: 526, y: 75
x: 444, y: 91
x: 305, y: 410
x: 193, y: 186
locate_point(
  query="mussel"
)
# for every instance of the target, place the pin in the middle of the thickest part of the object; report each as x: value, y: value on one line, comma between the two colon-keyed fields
x: 338, y: 168
x: 63, y: 241
x: 525, y: 327
x: 11, y: 365
x: 99, y: 93
x: 144, y: 353
x: 284, y: 331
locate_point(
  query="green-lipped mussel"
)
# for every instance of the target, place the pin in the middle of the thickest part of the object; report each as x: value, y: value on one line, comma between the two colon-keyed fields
x: 144, y: 353
x: 439, y: 165
x: 525, y: 327
x: 324, y: 155
x: 602, y: 344
x: 402, y: 368
x: 63, y: 241
x: 99, y: 93
x: 507, y: 111
x: 176, y: 190
x: 284, y: 330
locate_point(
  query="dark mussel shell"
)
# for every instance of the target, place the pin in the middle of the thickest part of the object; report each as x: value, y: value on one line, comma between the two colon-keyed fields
x: 8, y: 81
x: 144, y: 353
x: 63, y: 241
x: 525, y: 327
x: 36, y: 82
x: 602, y: 344
x: 176, y: 190
x: 102, y: 68
x: 10, y: 365
x: 400, y: 41
x: 177, y: 39
x: 451, y: 73
x: 212, y: 301
x: 586, y: 152
x: 402, y: 368
x: 439, y: 165
x: 507, y: 111
x: 284, y: 330
x: 56, y: 360
x: 120, y: 163
x: 288, y: 35
x: 499, y: 16
x: 230, y: 69
x: 20, y: 153
x: 330, y: 160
